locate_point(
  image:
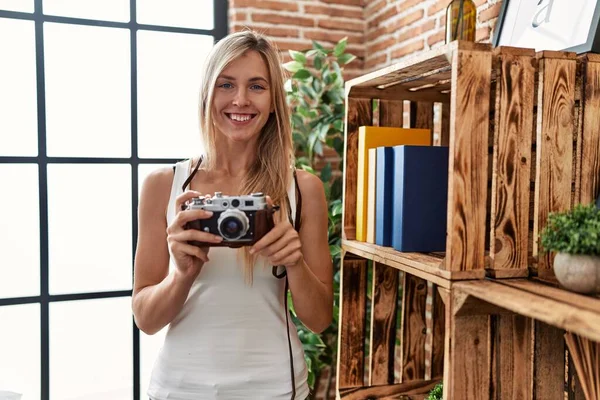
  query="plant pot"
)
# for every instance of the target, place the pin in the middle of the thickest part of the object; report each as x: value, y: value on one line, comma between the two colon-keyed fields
x: 578, y: 272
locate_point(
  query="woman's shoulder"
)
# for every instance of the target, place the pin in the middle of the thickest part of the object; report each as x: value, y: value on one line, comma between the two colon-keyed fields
x: 157, y: 185
x: 311, y: 188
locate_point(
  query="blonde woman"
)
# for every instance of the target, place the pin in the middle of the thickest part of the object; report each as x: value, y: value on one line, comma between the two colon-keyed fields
x: 229, y: 335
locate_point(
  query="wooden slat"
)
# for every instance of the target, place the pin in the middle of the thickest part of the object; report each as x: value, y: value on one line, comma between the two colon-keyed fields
x: 555, y: 130
x: 439, y: 327
x: 445, y: 139
x: 511, y: 163
x: 352, y: 323
x: 408, y: 391
x: 514, y: 357
x: 358, y: 113
x: 589, y: 174
x: 421, y: 116
x: 467, y: 357
x: 551, y: 311
x: 574, y: 388
x: 467, y: 181
x: 383, y: 324
x: 414, y: 296
x: 549, y: 362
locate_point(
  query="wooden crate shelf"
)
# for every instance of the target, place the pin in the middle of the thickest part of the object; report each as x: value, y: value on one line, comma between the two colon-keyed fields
x: 524, y: 140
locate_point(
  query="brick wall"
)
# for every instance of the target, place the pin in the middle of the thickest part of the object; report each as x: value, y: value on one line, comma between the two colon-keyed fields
x: 396, y: 29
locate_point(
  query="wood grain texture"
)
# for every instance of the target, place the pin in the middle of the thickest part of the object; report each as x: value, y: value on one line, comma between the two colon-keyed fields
x: 513, y: 125
x: 384, y: 309
x: 352, y: 323
x: 554, y: 151
x: 468, y: 357
x: 439, y: 329
x: 414, y: 329
x: 445, y: 138
x: 407, y: 391
x: 358, y: 113
x: 589, y: 174
x: 574, y: 388
x: 467, y: 179
x: 513, y: 342
x: 549, y: 356
x: 390, y: 113
x: 421, y: 116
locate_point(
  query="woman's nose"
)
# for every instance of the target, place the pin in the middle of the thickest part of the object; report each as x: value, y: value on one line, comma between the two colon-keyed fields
x: 241, y: 98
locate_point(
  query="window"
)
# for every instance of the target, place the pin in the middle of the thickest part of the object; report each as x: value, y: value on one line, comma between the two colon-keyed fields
x: 93, y: 96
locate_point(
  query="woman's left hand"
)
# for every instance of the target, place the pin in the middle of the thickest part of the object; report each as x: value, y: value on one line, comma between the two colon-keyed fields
x: 281, y: 245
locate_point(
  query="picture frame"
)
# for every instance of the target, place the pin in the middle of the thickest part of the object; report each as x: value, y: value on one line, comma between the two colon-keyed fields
x: 565, y: 25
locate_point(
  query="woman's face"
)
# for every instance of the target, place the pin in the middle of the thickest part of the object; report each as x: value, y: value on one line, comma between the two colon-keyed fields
x: 242, y: 99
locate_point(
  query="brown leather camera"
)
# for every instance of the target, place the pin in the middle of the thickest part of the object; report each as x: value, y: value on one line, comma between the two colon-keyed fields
x: 239, y: 220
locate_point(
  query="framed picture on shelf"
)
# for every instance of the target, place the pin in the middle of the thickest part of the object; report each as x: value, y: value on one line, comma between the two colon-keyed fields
x: 570, y: 25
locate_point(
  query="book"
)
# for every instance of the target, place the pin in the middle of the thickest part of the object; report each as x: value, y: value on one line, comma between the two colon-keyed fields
x: 371, y: 137
x: 420, y: 198
x: 383, y: 197
x: 371, y: 195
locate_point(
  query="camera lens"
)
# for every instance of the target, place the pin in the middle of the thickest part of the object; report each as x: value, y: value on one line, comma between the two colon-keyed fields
x: 235, y: 203
x: 231, y: 227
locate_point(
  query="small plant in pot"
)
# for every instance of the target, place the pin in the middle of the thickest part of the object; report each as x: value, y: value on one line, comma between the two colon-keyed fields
x: 574, y: 236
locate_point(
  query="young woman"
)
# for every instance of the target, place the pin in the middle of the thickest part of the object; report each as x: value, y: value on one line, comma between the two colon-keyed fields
x: 228, y: 335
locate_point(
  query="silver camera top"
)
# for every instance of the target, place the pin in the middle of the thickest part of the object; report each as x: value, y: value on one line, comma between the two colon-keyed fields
x: 219, y: 202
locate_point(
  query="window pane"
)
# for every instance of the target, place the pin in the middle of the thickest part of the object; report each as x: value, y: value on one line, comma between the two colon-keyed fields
x: 111, y: 10
x: 20, y: 350
x: 89, y: 227
x: 183, y: 13
x: 19, y: 232
x: 17, y: 5
x: 88, y: 104
x: 18, y: 89
x: 91, y: 349
x: 169, y: 66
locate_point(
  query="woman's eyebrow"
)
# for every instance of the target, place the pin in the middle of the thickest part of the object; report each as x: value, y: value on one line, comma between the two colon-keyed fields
x: 255, y: 79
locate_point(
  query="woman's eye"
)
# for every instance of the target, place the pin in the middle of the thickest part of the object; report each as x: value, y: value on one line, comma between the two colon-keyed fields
x: 226, y: 85
x: 257, y: 87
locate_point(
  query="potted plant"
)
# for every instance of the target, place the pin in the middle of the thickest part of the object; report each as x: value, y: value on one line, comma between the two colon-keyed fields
x: 574, y: 236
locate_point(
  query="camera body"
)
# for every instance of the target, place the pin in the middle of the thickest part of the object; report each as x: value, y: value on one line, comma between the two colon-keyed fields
x: 239, y: 220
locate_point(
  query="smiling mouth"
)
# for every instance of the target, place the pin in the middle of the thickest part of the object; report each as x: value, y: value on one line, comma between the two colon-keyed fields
x: 240, y: 117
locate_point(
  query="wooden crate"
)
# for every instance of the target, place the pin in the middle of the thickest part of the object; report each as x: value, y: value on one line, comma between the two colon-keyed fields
x: 523, y: 140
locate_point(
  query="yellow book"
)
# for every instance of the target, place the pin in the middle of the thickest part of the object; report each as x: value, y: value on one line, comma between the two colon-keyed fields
x: 371, y: 200
x: 370, y: 137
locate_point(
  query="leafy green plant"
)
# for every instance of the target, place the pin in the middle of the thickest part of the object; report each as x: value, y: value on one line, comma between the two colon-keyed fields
x: 436, y: 393
x: 576, y: 231
x: 315, y: 93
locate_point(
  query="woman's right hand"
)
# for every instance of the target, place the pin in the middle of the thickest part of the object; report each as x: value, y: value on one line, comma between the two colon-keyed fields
x: 188, y: 258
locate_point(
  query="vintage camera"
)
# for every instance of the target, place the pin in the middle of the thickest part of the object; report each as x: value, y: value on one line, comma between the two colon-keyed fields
x: 239, y: 220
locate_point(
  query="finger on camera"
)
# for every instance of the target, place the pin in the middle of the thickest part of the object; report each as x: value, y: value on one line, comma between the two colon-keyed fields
x: 192, y: 215
x: 185, y: 196
x: 194, y: 251
x: 196, y: 235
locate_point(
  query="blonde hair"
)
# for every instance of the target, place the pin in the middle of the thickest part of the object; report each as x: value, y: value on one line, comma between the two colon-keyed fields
x: 271, y: 171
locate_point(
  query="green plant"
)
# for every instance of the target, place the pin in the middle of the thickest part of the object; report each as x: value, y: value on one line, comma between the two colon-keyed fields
x: 436, y: 393
x: 576, y: 231
x: 315, y: 93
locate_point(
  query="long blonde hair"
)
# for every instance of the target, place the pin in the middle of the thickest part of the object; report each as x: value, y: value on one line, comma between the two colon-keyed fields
x: 271, y: 171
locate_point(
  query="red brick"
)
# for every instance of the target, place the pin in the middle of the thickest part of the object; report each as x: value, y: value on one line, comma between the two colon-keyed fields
x: 275, y: 5
x: 275, y: 31
x: 358, y: 3
x: 437, y: 37
x: 416, y: 31
x: 289, y: 45
x: 376, y: 34
x: 406, y: 4
x: 374, y: 7
x: 490, y: 12
x: 408, y: 49
x: 332, y: 11
x: 382, y: 45
x: 332, y: 36
x: 482, y: 34
x: 439, y: 5
x: 406, y: 21
x: 386, y: 15
x: 282, y: 19
x: 442, y: 21
x: 345, y: 25
x: 238, y: 16
x: 375, y: 61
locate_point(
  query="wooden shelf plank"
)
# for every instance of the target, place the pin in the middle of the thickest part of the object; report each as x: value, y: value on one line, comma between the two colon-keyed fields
x: 417, y: 389
x: 553, y: 311
x: 424, y: 265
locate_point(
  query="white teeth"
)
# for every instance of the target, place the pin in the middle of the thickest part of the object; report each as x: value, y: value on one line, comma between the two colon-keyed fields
x: 240, y: 117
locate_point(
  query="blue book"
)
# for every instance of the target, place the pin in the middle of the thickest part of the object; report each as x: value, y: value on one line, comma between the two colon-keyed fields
x: 420, y: 198
x: 383, y: 196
